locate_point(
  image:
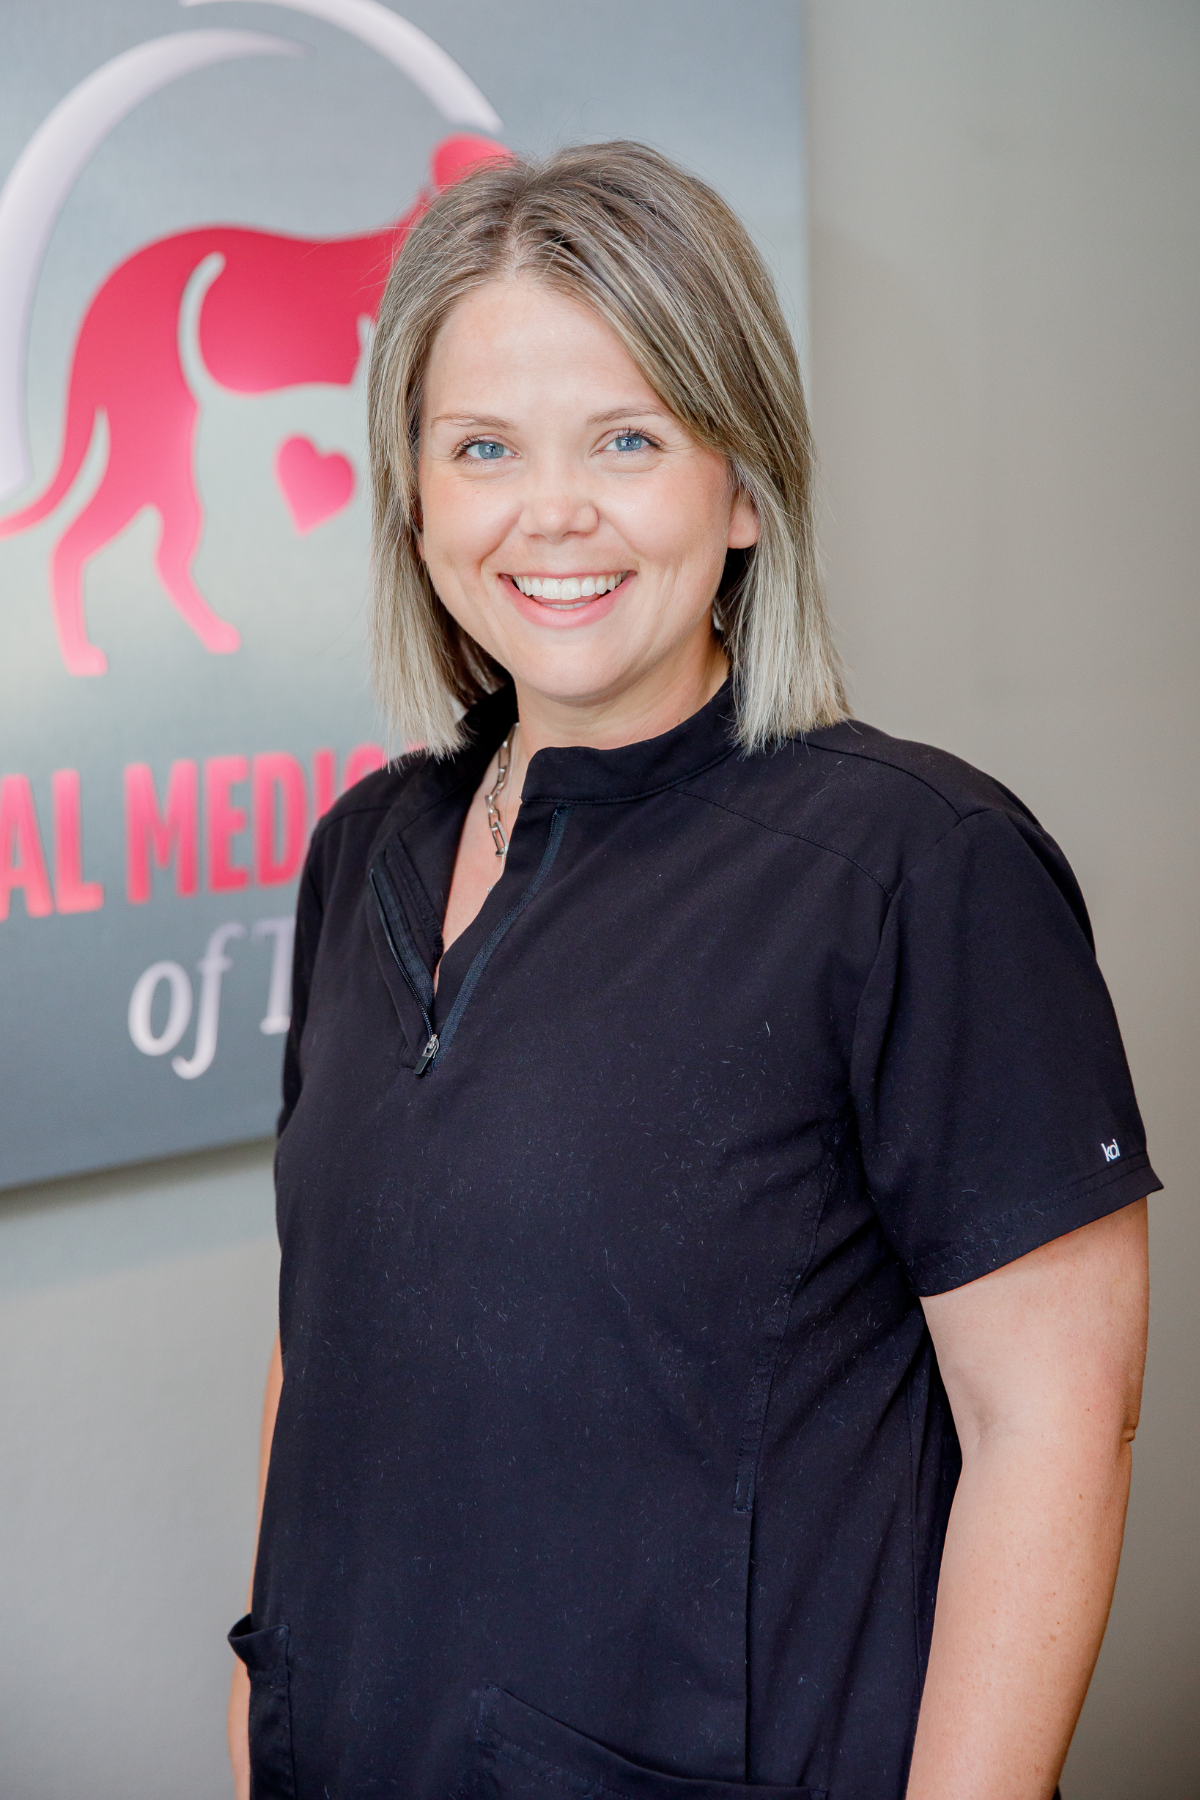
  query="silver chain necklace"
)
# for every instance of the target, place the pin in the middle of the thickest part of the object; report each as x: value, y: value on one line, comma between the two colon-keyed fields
x: 495, y: 822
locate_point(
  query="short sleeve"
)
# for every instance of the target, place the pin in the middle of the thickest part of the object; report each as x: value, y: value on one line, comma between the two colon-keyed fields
x: 994, y: 1104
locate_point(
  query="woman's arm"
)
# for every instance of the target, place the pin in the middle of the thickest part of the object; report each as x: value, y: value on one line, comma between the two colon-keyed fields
x: 1042, y: 1362
x: 239, y: 1693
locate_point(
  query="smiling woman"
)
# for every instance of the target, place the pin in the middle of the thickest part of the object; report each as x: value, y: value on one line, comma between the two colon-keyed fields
x: 710, y: 1187
x: 621, y: 309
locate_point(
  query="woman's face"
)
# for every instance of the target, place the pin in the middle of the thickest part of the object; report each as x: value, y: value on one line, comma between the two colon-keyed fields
x: 570, y: 524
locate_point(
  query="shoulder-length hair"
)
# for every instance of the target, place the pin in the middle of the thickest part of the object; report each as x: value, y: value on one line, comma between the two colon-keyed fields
x: 661, y: 258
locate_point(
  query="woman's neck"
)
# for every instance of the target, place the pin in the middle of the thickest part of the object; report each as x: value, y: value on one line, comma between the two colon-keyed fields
x: 646, y: 709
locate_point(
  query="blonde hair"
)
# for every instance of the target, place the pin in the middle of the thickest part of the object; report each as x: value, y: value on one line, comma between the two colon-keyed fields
x: 661, y: 258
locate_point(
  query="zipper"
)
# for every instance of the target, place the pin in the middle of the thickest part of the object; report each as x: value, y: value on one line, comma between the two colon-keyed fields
x: 418, y: 977
x: 391, y: 919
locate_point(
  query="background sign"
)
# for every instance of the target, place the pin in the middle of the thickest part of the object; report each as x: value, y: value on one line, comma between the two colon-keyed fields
x: 199, y: 207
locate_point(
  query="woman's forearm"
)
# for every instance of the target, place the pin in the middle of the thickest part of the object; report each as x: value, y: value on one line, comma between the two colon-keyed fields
x: 266, y: 1436
x: 1026, y: 1583
x: 239, y: 1690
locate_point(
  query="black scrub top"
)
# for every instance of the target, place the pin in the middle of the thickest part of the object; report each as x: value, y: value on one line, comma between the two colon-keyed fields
x: 612, y: 1458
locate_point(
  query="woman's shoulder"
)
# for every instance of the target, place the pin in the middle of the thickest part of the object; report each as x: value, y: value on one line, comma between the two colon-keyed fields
x: 924, y: 781
x: 344, y: 837
x: 881, y: 802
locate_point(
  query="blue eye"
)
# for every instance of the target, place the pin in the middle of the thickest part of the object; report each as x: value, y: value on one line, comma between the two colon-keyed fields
x: 484, y: 450
x: 626, y: 441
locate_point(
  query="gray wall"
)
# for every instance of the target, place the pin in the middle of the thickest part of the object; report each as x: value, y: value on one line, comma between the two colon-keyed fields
x: 136, y: 1316
x: 1005, y: 208
x: 1005, y: 203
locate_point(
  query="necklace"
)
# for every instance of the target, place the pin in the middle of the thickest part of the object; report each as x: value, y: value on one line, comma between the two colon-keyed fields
x: 495, y: 822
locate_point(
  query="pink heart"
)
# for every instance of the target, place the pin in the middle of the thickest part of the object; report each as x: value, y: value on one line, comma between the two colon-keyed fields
x: 314, y: 486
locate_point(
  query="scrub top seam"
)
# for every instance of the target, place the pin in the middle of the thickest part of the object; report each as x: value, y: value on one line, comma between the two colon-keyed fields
x: 798, y: 837
x: 882, y: 762
x: 758, y: 1404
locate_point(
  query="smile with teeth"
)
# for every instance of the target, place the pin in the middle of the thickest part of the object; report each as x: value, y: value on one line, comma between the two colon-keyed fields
x: 567, y: 590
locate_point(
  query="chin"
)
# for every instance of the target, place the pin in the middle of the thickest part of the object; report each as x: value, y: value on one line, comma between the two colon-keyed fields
x: 574, y: 677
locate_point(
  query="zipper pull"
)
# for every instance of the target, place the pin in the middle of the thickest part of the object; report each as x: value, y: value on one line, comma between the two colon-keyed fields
x: 427, y: 1055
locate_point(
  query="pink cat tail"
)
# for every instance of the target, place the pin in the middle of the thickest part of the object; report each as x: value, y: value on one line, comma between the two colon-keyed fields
x: 81, y: 424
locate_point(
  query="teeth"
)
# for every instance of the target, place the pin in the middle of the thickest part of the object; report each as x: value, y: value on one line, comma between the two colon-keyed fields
x: 567, y: 587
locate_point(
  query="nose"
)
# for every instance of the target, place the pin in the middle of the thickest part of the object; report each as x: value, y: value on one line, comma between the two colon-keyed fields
x: 556, y: 504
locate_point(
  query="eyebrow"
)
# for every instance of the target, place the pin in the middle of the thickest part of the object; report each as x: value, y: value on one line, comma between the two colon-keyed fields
x: 628, y: 412
x: 470, y: 419
x: 489, y: 421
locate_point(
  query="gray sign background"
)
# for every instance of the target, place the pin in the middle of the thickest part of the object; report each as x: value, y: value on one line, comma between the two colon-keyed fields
x: 330, y: 144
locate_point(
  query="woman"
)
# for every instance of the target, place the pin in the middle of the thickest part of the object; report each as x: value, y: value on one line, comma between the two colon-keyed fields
x: 706, y: 1130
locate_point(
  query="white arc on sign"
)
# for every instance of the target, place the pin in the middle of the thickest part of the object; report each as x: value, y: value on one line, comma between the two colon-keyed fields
x: 426, y: 64
x: 48, y: 168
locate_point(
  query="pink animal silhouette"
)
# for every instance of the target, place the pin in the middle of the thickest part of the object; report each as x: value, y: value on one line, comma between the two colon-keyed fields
x: 282, y: 311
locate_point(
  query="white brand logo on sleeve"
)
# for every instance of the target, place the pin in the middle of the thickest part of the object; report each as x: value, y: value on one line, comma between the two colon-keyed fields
x: 1111, y: 1151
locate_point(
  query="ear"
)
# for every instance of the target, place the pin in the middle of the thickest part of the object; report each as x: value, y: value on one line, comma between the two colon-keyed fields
x: 743, y: 522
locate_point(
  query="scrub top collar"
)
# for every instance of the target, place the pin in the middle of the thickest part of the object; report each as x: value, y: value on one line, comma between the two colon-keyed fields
x: 578, y: 775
